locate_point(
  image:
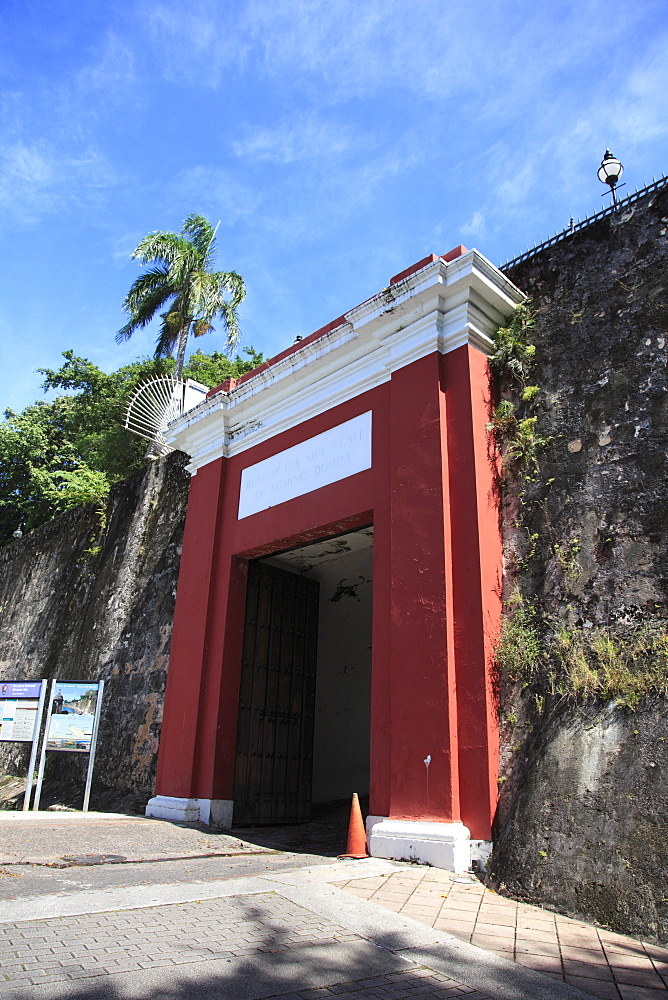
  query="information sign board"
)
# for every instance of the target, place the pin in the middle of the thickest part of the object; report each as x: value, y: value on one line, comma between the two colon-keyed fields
x: 72, y: 716
x: 73, y: 721
x: 19, y: 704
x: 20, y: 689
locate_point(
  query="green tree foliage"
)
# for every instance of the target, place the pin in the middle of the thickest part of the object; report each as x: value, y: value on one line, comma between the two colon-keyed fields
x: 212, y: 369
x: 182, y: 281
x: 59, y: 454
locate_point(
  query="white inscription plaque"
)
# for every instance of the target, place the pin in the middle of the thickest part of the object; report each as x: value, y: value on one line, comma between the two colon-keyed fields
x: 326, y: 458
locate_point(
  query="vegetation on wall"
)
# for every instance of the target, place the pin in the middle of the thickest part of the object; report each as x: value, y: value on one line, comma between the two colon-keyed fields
x: 513, y: 422
x: 552, y: 657
x: 556, y: 656
x: 68, y: 451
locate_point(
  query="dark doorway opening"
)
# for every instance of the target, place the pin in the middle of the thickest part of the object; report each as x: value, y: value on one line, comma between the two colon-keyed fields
x: 305, y: 697
x: 274, y: 753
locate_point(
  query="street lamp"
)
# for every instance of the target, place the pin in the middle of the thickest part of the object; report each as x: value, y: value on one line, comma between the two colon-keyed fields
x: 609, y: 173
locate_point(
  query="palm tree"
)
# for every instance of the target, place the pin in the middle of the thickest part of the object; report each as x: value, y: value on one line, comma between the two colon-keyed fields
x: 182, y: 280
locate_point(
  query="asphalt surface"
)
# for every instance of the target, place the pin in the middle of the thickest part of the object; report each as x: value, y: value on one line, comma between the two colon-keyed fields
x: 54, y: 837
x: 19, y: 880
x: 57, y: 852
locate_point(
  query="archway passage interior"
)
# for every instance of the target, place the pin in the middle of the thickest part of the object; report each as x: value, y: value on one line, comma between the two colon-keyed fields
x: 305, y: 688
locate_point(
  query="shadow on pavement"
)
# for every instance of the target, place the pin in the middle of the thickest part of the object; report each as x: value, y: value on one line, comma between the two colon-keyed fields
x: 325, y: 834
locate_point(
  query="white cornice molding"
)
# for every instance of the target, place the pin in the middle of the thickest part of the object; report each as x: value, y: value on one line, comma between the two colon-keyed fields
x: 439, y: 308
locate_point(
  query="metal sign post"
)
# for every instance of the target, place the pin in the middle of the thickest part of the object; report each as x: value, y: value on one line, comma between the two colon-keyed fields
x: 33, y: 750
x: 71, y: 727
x: 93, y: 743
x: 42, y: 759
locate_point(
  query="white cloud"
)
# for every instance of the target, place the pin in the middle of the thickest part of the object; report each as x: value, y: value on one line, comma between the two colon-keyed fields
x: 304, y: 139
x: 215, y: 192
x: 637, y: 110
x: 475, y: 226
x: 110, y: 73
x: 194, y: 42
x: 38, y: 179
x: 331, y: 50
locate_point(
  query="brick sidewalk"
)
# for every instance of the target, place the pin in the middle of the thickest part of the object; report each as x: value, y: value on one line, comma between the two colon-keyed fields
x: 421, y: 983
x: 67, y: 948
x: 66, y: 951
x: 597, y: 961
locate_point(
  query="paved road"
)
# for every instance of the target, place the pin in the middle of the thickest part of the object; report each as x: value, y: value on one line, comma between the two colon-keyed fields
x: 46, y: 853
x: 245, y: 926
x: 21, y: 880
x: 52, y: 837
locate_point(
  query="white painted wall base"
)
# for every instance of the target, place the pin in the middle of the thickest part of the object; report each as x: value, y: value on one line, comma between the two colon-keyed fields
x: 442, y: 845
x: 216, y: 812
x: 169, y: 807
x: 213, y: 812
x: 481, y: 851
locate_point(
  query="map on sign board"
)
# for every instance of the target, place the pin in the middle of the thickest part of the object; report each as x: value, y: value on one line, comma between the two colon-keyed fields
x: 19, y: 701
x: 70, y: 725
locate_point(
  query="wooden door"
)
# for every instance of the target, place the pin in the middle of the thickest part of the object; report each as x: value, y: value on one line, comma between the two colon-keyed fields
x: 274, y: 755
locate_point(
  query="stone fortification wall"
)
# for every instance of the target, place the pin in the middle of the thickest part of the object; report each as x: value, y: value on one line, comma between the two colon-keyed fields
x: 86, y: 597
x: 583, y: 820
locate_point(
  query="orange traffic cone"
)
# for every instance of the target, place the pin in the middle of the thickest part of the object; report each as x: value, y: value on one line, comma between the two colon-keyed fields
x: 356, y: 835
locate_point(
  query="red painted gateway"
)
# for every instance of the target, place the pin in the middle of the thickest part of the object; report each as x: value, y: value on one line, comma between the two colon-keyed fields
x: 340, y: 583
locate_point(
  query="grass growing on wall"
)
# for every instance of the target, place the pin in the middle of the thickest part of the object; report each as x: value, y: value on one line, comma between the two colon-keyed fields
x: 547, y: 655
x: 552, y: 657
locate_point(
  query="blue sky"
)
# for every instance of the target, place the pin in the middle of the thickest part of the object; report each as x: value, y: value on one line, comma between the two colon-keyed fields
x: 337, y: 142
x: 73, y: 690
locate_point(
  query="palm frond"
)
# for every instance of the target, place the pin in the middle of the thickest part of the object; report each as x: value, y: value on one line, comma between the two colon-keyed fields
x: 165, y: 247
x: 230, y: 319
x: 184, y: 267
x: 147, y: 283
x: 142, y: 309
x: 233, y: 283
x: 202, y: 235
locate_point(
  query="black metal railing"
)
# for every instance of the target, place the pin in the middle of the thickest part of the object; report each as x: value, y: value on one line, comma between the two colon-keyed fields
x: 575, y: 227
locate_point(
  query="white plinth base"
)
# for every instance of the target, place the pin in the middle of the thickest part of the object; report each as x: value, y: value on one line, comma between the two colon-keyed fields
x: 216, y: 812
x: 442, y: 845
x: 481, y: 852
x: 213, y: 812
x: 178, y: 810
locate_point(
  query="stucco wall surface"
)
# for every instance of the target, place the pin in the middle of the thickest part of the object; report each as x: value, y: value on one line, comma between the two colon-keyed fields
x: 82, y: 601
x: 583, y: 824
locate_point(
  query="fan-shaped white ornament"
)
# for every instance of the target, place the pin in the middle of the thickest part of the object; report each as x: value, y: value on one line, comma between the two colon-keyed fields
x: 155, y: 403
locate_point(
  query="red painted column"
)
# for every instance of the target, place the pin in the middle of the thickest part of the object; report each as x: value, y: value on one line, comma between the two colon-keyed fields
x: 423, y: 704
x: 380, y: 723
x: 188, y: 661
x: 474, y: 571
x: 224, y: 703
